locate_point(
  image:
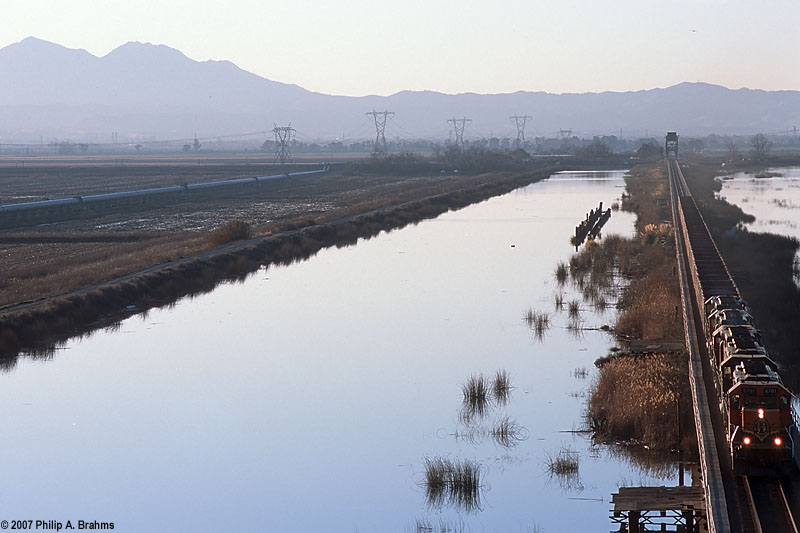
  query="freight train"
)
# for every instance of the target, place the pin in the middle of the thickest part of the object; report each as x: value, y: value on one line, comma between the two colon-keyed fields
x: 753, y: 400
x: 755, y: 405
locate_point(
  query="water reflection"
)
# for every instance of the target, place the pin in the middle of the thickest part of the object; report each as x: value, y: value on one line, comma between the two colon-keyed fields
x: 538, y: 322
x: 438, y: 526
x: 658, y: 464
x: 183, y: 404
x: 774, y: 201
x: 563, y: 468
x: 453, y: 482
x: 501, y: 387
x: 476, y: 399
x: 507, y: 433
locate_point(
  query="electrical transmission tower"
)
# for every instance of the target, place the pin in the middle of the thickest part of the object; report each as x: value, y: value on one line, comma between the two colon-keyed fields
x: 520, y: 122
x: 565, y: 134
x: 458, y: 128
x: 283, y: 139
x: 380, y: 126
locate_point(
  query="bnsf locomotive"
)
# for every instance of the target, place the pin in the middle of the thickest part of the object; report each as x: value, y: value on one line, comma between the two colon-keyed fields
x: 753, y: 399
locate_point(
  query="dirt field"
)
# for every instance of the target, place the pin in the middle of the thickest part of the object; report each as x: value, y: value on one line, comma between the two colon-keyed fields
x: 54, y: 259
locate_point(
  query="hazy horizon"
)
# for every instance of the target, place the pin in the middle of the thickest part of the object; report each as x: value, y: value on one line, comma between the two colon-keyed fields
x: 121, y: 45
x: 354, y: 50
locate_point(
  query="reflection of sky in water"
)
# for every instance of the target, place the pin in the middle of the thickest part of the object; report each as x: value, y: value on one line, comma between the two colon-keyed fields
x: 775, y: 202
x: 308, y: 397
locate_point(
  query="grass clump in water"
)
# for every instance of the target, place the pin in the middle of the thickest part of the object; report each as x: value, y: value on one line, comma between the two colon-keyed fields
x: 559, y: 301
x: 476, y: 398
x: 562, y: 273
x: 508, y: 433
x: 574, y: 309
x: 449, y: 482
x: 538, y: 322
x: 564, y: 463
x: 501, y: 387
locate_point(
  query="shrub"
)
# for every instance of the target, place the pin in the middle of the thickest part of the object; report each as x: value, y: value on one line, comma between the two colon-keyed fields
x: 235, y: 230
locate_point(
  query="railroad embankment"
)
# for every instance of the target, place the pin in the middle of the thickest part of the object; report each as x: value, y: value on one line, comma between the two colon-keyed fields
x: 37, y: 328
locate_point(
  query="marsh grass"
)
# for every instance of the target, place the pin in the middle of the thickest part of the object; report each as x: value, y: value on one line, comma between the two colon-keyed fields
x: 634, y: 399
x: 562, y: 273
x: 565, y: 462
x: 574, y: 328
x: 235, y: 230
x: 538, y: 322
x: 453, y: 482
x: 574, y: 309
x: 564, y: 467
x: 579, y: 373
x: 508, y: 433
x: 501, y: 387
x: 559, y: 301
x: 475, y: 398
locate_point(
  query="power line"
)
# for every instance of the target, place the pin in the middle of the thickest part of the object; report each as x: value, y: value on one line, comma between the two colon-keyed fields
x: 283, y: 137
x: 380, y: 127
x: 520, y: 121
x: 458, y: 128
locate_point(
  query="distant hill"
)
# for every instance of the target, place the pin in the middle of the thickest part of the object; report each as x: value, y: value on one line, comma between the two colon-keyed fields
x: 152, y: 91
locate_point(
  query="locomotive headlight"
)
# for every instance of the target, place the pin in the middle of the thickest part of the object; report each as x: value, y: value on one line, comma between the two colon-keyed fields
x: 746, y: 441
x: 760, y: 413
x: 778, y: 441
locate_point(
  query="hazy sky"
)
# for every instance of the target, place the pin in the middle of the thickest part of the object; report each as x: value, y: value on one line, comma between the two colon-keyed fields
x: 359, y: 47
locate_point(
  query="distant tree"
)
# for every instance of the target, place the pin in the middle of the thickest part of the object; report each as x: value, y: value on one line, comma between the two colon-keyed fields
x: 596, y: 148
x: 196, y: 145
x: 138, y: 147
x: 187, y: 147
x: 650, y: 151
x: 732, y: 148
x: 694, y: 146
x: 761, y: 146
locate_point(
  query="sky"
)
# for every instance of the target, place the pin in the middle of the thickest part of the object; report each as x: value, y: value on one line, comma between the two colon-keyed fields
x: 360, y: 47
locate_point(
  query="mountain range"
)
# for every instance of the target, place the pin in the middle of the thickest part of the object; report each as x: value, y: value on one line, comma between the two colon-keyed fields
x: 146, y: 91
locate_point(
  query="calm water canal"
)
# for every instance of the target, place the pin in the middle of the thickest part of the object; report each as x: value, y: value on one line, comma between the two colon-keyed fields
x: 309, y: 397
x: 774, y: 202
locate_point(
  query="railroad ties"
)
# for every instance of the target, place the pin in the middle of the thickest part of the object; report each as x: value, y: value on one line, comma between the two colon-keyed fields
x: 590, y: 226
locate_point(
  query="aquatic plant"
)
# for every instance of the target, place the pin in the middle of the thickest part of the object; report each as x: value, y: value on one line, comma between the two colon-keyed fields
x: 565, y: 462
x: 561, y: 273
x: 476, y: 398
x: 559, y: 301
x: 501, y: 387
x: 574, y: 309
x: 580, y: 373
x: 508, y: 433
x: 538, y: 322
x: 452, y: 482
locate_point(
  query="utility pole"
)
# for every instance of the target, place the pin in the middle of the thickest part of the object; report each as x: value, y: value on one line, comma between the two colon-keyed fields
x: 283, y: 139
x: 458, y: 128
x: 380, y: 126
x: 520, y: 122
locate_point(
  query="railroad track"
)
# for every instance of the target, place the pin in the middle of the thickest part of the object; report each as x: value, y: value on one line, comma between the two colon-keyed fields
x: 769, y: 505
x: 757, y: 504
